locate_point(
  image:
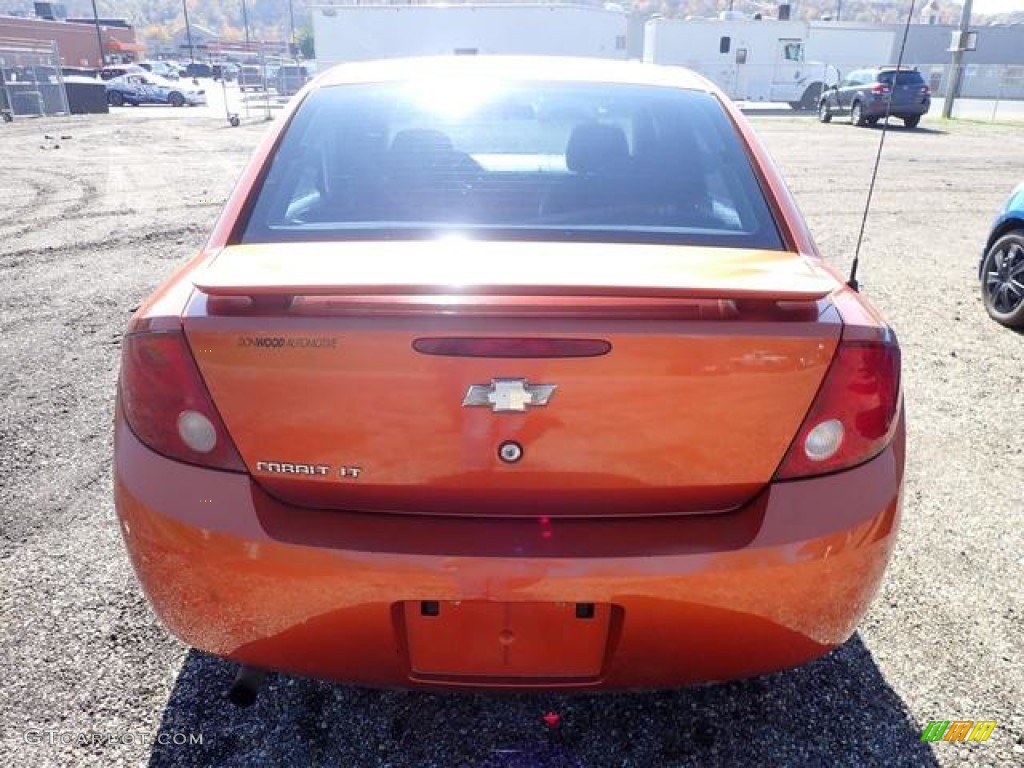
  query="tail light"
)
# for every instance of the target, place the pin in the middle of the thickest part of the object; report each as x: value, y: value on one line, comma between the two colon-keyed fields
x: 855, y: 413
x: 511, y: 347
x: 925, y: 90
x: 167, y: 405
x: 880, y: 88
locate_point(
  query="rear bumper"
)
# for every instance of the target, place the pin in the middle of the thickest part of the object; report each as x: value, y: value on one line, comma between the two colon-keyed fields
x: 319, y: 593
x: 878, y: 107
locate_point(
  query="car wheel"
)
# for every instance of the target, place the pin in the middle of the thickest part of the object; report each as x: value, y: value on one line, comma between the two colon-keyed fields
x: 912, y: 121
x: 176, y: 99
x: 824, y: 113
x: 857, y: 115
x: 1002, y: 280
x: 115, y: 99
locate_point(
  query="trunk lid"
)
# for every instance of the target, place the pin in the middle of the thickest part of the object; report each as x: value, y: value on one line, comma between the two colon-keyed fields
x: 344, y: 374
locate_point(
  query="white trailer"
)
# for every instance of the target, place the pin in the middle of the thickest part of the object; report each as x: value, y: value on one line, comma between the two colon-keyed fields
x: 376, y: 30
x: 751, y: 60
x: 851, y: 45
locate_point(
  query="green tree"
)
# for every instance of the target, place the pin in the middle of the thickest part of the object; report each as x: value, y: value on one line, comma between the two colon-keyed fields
x: 304, y: 39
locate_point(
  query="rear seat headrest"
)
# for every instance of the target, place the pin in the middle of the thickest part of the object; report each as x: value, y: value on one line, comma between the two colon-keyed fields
x: 420, y: 140
x: 596, y: 148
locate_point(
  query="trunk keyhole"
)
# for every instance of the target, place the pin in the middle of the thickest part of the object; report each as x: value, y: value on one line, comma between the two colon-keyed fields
x: 510, y: 452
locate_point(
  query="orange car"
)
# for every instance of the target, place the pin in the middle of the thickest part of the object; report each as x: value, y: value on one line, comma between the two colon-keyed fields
x: 510, y: 373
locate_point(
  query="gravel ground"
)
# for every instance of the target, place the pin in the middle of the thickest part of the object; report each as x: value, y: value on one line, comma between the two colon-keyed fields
x: 89, y: 676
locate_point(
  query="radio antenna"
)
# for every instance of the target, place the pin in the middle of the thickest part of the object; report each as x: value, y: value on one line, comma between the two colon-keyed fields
x: 852, y: 281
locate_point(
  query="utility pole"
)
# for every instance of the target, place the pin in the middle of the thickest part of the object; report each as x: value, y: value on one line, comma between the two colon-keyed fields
x: 99, y: 36
x: 188, y: 32
x: 955, y: 74
x: 292, y: 50
x: 245, y: 24
x: 839, y: 10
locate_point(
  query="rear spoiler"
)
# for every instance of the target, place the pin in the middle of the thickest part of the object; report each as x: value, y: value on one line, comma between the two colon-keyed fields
x: 436, y: 268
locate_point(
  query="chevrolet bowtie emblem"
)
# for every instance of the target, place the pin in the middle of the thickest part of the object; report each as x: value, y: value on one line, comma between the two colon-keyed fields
x: 509, y: 395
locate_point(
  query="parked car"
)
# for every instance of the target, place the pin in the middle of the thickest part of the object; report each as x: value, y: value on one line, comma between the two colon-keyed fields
x: 119, y: 70
x: 510, y: 372
x: 161, y: 68
x: 1001, y: 269
x: 227, y: 72
x: 138, y: 89
x: 198, y: 69
x: 176, y: 67
x: 868, y: 95
x: 250, y: 78
x: 291, y: 78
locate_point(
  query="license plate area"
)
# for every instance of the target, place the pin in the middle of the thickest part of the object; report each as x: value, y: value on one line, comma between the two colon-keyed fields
x: 476, y: 638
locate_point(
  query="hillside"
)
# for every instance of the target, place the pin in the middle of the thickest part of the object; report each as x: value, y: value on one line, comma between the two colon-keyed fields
x: 158, y: 19
x: 268, y: 19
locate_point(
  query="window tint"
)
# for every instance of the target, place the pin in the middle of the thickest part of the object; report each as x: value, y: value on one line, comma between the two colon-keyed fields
x: 902, y: 78
x: 854, y: 78
x: 511, y: 159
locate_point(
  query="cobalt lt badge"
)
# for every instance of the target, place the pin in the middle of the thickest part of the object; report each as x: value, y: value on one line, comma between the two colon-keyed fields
x: 509, y: 395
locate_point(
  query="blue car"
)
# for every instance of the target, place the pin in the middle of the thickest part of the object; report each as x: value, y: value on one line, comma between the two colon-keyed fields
x: 146, y: 88
x: 1001, y: 270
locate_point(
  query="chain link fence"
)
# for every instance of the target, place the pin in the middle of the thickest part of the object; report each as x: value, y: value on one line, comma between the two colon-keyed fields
x: 31, y: 81
x: 1001, y: 86
x: 990, y: 92
x: 255, y: 91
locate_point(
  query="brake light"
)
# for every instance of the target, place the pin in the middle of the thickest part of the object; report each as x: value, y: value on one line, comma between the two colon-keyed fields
x: 511, y: 347
x: 925, y: 90
x: 167, y: 405
x: 880, y: 88
x: 855, y: 413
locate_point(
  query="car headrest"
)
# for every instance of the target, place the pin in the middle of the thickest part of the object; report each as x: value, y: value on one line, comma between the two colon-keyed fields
x: 414, y: 141
x: 596, y: 148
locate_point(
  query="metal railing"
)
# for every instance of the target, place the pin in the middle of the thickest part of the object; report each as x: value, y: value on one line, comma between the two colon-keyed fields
x: 31, y: 81
x: 984, y: 92
x: 255, y: 95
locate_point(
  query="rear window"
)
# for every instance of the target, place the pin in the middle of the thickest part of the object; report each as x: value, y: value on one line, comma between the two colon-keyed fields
x: 543, y: 160
x: 902, y: 78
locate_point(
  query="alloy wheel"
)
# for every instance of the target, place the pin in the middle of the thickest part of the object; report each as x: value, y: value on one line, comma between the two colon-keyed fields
x: 1003, y: 279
